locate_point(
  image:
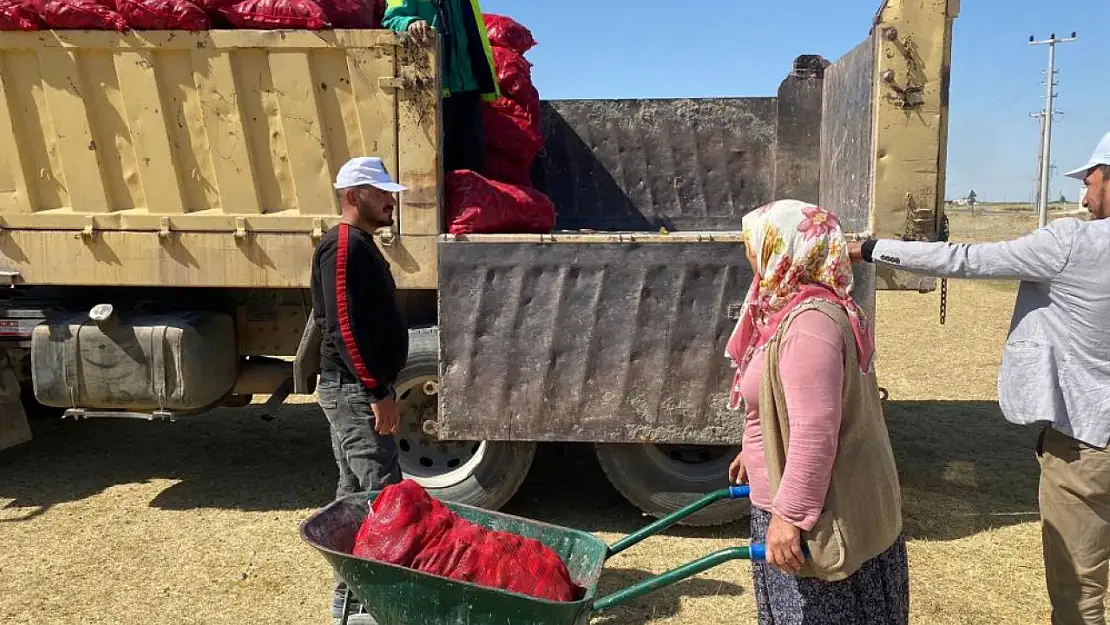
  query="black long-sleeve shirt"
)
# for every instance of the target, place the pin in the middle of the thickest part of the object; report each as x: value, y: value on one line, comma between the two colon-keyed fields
x: 364, y: 331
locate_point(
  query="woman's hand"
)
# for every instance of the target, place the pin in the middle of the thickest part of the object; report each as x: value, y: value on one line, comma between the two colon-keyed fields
x: 784, y: 546
x: 737, y: 474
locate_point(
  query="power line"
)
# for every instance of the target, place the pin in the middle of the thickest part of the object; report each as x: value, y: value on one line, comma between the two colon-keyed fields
x: 1047, y: 117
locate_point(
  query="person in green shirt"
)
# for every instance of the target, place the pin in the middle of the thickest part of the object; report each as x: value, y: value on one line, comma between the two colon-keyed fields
x: 469, y: 75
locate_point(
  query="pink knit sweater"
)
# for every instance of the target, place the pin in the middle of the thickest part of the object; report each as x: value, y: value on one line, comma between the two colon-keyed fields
x: 811, y: 366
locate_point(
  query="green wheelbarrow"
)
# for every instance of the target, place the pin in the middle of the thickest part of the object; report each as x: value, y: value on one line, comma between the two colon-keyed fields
x: 395, y: 595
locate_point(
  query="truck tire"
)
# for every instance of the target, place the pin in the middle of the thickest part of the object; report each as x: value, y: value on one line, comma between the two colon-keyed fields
x: 659, y: 479
x: 478, y: 473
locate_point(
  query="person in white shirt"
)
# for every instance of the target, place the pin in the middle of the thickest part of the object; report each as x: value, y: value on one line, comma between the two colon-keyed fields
x: 1055, y: 374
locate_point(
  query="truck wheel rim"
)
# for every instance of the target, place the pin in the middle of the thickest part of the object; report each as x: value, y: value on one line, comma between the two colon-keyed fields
x: 695, y: 463
x: 424, y: 459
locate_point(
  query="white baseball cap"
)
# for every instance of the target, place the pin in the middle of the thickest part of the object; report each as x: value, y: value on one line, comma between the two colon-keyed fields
x: 1100, y: 157
x: 366, y: 170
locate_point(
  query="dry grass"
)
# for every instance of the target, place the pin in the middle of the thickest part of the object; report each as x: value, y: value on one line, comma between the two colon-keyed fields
x: 195, y: 522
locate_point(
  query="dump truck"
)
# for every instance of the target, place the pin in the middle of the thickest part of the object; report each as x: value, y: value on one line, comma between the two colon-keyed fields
x: 161, y: 195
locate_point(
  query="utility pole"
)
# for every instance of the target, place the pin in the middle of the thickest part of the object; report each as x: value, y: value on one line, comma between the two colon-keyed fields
x: 1046, y: 121
x: 1040, y: 161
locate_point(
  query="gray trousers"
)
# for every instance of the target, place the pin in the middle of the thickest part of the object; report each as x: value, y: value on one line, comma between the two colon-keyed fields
x: 367, y: 460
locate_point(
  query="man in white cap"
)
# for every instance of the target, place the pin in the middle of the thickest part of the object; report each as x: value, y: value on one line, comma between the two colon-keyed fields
x: 1096, y: 176
x: 365, y: 336
x: 1055, y: 374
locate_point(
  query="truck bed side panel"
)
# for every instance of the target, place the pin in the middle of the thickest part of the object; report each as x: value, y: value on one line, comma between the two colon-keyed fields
x: 644, y: 164
x: 847, y: 153
x: 846, y: 131
x: 204, y: 159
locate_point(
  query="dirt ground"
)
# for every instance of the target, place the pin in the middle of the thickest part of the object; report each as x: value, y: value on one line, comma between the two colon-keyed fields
x: 196, y: 522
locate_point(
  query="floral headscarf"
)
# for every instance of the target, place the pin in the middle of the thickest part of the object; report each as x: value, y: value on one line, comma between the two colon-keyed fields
x: 800, y: 255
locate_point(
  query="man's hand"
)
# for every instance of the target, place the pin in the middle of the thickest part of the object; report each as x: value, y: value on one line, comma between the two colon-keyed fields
x: 855, y: 251
x: 385, y: 416
x: 420, y: 31
x: 784, y: 546
x: 737, y: 474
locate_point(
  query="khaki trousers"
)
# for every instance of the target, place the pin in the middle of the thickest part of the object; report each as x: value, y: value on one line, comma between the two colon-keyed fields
x: 1075, y: 533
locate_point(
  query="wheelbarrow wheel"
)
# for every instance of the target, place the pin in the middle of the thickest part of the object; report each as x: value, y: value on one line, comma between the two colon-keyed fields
x: 477, y: 473
x: 659, y: 479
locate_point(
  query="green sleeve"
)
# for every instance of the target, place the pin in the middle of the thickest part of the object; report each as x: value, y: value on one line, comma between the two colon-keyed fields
x: 400, y: 14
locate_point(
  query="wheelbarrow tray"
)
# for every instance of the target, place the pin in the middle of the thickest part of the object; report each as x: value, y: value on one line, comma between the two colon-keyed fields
x: 396, y: 595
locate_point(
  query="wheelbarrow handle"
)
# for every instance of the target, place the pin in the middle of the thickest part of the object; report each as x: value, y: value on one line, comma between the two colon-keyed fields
x: 752, y: 552
x: 733, y: 492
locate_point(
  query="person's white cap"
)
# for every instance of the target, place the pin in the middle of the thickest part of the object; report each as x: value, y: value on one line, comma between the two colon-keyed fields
x: 1100, y: 157
x: 366, y: 170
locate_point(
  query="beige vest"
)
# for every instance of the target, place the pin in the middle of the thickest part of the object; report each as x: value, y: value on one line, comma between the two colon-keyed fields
x: 862, y: 516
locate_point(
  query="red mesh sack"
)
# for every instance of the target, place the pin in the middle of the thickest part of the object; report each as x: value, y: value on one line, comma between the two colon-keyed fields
x: 163, y: 14
x: 349, y: 13
x: 531, y: 103
x: 213, y: 6
x: 478, y: 205
x: 509, y: 129
x: 505, y: 32
x: 275, y: 14
x: 506, y: 169
x: 404, y: 520
x: 18, y: 15
x: 409, y: 528
x: 79, y: 15
x: 514, y: 75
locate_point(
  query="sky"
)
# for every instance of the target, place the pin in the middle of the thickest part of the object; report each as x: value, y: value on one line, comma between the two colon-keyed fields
x: 663, y: 49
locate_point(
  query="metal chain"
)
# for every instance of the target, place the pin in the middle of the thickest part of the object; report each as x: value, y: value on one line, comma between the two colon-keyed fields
x: 943, y: 300
x: 943, y: 236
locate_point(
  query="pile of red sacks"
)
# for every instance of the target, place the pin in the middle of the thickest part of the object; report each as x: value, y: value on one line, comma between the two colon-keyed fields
x: 407, y: 527
x: 121, y: 15
x: 503, y: 200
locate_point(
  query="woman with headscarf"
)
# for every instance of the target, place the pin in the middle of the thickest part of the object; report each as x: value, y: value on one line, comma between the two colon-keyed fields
x: 816, y: 452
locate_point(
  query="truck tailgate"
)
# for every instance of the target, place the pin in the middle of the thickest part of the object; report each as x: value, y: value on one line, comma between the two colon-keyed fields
x: 588, y: 338
x: 601, y: 337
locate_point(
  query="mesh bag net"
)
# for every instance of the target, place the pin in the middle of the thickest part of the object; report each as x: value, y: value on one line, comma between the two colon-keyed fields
x: 409, y: 528
x: 505, y: 32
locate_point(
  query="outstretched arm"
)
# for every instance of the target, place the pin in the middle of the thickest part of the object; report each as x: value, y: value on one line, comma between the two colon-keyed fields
x: 1036, y: 257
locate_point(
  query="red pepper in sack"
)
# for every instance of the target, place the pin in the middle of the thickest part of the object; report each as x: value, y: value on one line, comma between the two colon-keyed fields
x: 19, y: 15
x: 275, y: 14
x: 478, y: 205
x: 79, y: 15
x: 510, y: 130
x: 514, y: 75
x: 163, y: 14
x: 505, y: 32
x: 409, y: 528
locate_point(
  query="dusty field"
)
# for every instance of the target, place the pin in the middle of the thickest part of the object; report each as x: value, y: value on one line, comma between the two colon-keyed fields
x: 195, y: 522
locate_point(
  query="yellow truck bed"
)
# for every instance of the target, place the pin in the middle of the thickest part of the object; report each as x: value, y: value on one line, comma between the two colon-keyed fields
x: 206, y: 159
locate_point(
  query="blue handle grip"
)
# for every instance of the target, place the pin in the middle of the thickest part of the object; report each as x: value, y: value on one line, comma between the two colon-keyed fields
x: 739, y: 492
x: 758, y: 551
